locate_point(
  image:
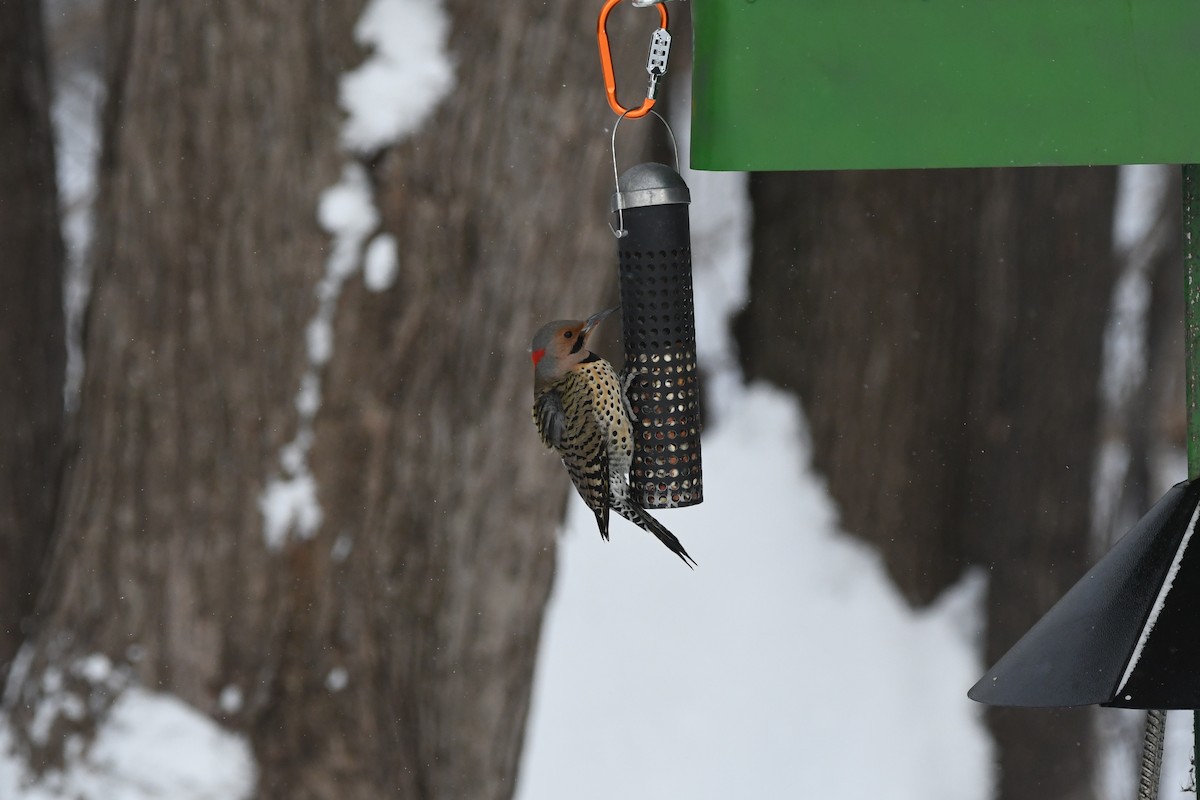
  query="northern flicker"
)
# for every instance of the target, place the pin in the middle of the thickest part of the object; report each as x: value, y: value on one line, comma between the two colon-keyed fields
x: 580, y: 410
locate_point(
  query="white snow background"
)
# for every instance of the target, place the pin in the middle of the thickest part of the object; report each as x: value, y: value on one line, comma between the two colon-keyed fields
x: 786, y: 665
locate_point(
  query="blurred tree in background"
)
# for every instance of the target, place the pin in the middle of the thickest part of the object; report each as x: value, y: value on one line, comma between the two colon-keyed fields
x: 31, y: 320
x: 423, y: 585
x: 943, y: 330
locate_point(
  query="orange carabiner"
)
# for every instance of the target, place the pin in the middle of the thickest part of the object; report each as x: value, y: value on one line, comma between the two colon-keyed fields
x: 659, y: 47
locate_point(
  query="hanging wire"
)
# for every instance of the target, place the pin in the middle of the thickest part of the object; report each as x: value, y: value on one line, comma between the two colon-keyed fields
x: 1152, y: 754
x: 620, y: 231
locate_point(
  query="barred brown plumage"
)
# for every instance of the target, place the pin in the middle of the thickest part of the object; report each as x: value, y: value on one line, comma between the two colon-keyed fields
x: 580, y: 410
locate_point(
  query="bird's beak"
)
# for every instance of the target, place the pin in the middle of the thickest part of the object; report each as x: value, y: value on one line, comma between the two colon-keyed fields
x: 596, y: 319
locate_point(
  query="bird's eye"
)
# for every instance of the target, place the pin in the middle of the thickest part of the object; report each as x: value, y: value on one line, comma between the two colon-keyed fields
x: 568, y: 334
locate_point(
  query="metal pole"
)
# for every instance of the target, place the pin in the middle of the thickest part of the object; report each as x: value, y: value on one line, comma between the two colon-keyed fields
x: 1152, y: 744
x: 1191, y: 277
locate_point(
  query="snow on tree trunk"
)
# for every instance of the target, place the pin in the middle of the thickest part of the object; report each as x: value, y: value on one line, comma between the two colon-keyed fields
x: 309, y: 501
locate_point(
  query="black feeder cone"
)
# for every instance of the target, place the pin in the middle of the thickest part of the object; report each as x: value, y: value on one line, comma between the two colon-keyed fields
x: 1127, y: 634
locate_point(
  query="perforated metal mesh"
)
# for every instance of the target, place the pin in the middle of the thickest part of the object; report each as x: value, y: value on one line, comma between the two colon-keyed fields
x: 660, y: 351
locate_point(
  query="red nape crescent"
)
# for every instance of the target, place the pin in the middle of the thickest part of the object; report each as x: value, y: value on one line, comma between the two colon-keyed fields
x: 536, y: 355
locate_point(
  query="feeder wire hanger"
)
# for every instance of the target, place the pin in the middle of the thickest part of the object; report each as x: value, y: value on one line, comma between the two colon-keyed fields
x: 620, y: 231
x: 656, y: 68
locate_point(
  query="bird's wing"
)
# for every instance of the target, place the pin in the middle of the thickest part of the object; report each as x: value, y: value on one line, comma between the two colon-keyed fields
x: 584, y: 449
x: 627, y: 378
x: 550, y: 418
x: 587, y: 461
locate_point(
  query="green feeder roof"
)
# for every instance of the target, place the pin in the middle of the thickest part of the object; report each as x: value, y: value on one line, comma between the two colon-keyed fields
x: 846, y: 84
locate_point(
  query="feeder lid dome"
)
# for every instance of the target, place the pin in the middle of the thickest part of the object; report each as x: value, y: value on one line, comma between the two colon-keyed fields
x: 650, y: 184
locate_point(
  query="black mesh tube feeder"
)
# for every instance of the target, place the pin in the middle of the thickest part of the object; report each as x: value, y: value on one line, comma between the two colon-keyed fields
x: 655, y: 257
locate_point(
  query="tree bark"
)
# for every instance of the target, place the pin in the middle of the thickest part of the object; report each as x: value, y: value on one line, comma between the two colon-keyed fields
x: 32, y: 353
x: 423, y: 586
x: 943, y: 330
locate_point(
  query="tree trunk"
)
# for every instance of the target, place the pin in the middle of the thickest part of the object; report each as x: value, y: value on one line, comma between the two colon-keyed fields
x: 386, y: 648
x: 943, y: 330
x: 32, y: 353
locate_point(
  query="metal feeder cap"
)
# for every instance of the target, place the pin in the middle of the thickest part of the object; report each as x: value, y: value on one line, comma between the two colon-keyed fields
x: 650, y: 184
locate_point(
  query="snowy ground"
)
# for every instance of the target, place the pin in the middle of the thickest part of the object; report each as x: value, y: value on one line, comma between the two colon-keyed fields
x: 150, y: 746
x: 785, y: 665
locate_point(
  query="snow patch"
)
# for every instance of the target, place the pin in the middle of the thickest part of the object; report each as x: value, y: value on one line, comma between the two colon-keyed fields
x: 341, y: 548
x: 337, y: 679
x: 379, y: 269
x: 54, y: 705
x: 308, y: 396
x: 16, y: 674
x: 290, y: 505
x: 319, y: 336
x: 294, y: 455
x: 1141, y: 190
x: 1139, y: 240
x: 79, y: 93
x: 1126, y: 351
x: 96, y: 668
x: 231, y: 700
x: 149, y: 746
x: 407, y: 75
x: 386, y: 98
x: 347, y: 212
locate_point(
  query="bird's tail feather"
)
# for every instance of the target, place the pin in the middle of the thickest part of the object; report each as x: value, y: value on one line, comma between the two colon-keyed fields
x: 638, y: 516
x: 602, y: 521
